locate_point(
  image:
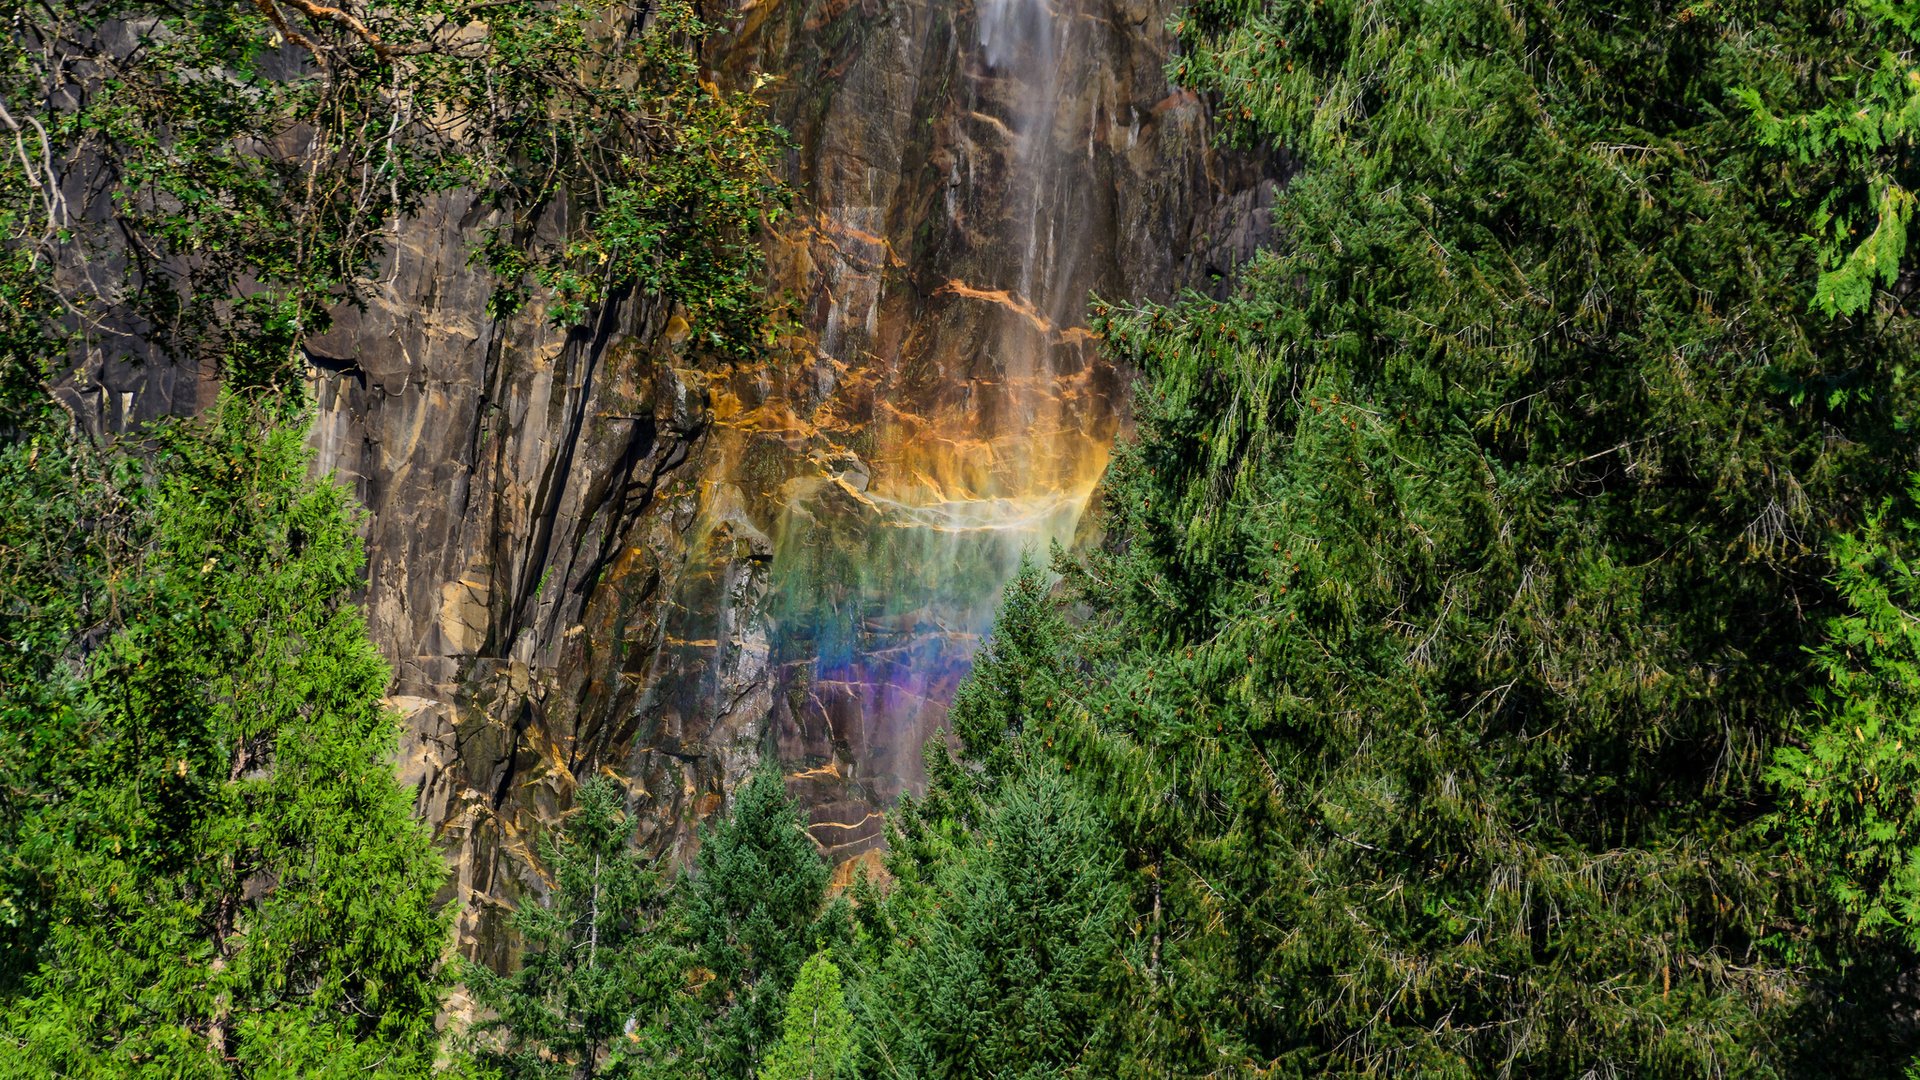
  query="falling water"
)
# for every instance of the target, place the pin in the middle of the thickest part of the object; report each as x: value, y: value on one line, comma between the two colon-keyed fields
x: 971, y: 171
x: 987, y: 429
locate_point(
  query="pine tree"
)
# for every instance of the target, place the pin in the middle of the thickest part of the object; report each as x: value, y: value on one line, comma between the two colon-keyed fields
x: 597, y: 967
x: 816, y: 1039
x: 752, y: 912
x: 1458, y: 588
x: 232, y: 878
x: 996, y: 952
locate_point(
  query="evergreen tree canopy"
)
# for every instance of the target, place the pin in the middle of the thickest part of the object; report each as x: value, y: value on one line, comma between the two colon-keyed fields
x: 996, y: 952
x: 232, y: 878
x: 624, y: 976
x: 1459, y: 586
x: 816, y: 1039
x: 598, y: 965
x: 1500, y: 659
x: 1863, y: 116
x: 753, y: 911
x: 1852, y: 778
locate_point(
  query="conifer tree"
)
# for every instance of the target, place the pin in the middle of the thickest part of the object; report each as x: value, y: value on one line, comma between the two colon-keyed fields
x: 995, y: 952
x: 233, y: 880
x: 816, y: 1039
x: 752, y: 912
x: 1458, y: 588
x: 597, y: 966
x: 1017, y: 673
x: 1862, y: 121
x: 992, y: 953
x: 626, y: 977
x: 1854, y: 773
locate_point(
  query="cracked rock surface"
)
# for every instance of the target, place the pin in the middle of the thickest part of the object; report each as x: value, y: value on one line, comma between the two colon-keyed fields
x: 594, y: 551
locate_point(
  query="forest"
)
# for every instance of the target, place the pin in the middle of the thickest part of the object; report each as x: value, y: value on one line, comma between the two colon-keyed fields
x: 1492, y: 648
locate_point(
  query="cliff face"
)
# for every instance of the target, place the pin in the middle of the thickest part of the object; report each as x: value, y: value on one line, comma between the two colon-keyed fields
x: 968, y: 175
x: 529, y: 507
x: 600, y: 551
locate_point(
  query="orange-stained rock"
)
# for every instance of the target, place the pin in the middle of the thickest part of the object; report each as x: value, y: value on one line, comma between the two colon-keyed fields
x: 610, y: 552
x: 870, y: 864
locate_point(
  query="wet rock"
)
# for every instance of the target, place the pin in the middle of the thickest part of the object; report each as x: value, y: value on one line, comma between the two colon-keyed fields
x: 969, y: 173
x: 599, y: 551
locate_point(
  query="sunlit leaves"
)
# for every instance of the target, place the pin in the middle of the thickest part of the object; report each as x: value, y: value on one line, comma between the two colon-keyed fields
x: 1863, y: 125
x: 1854, y: 780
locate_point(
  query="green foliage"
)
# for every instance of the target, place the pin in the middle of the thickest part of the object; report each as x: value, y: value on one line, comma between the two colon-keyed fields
x: 624, y: 977
x: 205, y: 865
x: 597, y: 963
x: 1018, y: 671
x: 668, y: 173
x: 752, y: 914
x: 64, y: 525
x: 231, y: 877
x: 995, y: 953
x: 218, y: 179
x: 1458, y: 589
x: 1861, y: 124
x: 816, y: 1039
x: 1851, y: 782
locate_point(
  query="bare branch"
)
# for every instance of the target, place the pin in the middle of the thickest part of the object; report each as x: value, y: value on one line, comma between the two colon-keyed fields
x: 272, y: 13
x: 339, y: 17
x: 45, y: 179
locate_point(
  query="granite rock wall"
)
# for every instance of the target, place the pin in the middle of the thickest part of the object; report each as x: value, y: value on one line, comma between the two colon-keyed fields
x: 598, y: 550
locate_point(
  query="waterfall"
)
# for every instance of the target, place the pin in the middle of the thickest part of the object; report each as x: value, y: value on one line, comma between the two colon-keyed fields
x: 987, y: 427
x: 969, y: 172
x: 637, y: 557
